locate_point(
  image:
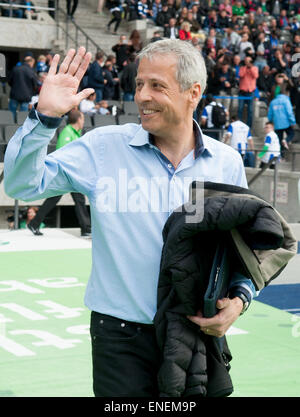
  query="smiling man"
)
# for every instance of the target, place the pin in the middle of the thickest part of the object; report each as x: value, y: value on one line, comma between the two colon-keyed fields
x: 115, y: 166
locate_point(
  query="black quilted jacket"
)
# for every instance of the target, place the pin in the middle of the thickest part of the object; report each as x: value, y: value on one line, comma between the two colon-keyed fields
x: 192, y: 363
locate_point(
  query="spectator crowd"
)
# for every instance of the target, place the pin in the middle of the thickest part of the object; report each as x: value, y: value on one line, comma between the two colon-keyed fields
x: 250, y: 49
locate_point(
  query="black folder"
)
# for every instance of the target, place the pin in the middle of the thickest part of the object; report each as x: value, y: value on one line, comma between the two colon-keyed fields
x: 218, y: 283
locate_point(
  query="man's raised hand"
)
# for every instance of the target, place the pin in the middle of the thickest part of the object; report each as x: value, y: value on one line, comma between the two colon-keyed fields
x: 58, y: 94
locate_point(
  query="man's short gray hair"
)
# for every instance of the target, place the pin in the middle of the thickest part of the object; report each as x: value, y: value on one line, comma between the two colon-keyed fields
x: 190, y: 63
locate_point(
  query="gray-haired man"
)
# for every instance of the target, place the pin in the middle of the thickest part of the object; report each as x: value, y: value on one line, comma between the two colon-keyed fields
x: 120, y: 169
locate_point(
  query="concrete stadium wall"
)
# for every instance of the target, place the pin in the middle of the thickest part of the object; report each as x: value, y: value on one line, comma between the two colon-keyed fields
x: 29, y: 34
x: 287, y: 195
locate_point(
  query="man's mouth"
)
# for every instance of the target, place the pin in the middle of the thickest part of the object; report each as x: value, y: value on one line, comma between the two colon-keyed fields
x: 149, y: 111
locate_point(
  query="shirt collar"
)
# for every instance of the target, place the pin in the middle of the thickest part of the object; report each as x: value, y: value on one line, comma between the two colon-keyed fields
x: 142, y: 138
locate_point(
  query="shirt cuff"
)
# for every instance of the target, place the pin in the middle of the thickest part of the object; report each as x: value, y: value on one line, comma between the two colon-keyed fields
x: 243, y: 284
x: 47, y: 121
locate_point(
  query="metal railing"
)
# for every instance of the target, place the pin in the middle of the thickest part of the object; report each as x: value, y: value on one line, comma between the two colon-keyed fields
x: 59, y: 25
x: 78, y: 30
x: 12, y: 6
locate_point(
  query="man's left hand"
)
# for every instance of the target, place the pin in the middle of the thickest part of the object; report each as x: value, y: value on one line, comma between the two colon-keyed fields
x: 218, y: 325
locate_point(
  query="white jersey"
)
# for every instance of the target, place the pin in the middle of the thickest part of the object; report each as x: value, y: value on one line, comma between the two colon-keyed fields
x: 273, y: 144
x: 239, y: 135
x: 207, y: 113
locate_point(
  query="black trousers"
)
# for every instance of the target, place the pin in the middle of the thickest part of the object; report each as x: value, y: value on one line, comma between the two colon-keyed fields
x: 81, y: 211
x: 125, y: 357
x: 69, y: 10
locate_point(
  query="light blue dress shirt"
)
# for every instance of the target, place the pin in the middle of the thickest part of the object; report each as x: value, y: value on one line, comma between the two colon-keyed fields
x: 132, y: 189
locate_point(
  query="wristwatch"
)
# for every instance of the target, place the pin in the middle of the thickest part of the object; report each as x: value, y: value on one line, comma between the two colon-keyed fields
x: 243, y: 297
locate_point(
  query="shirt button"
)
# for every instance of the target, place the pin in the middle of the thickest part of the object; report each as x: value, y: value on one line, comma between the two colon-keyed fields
x: 122, y: 324
x: 170, y: 166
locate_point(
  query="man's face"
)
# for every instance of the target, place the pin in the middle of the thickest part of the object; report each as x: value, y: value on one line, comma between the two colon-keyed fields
x: 162, y: 106
x: 268, y: 128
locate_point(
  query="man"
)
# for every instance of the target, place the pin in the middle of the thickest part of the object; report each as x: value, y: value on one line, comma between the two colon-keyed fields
x: 121, y: 49
x: 24, y: 85
x: 240, y: 139
x: 128, y: 79
x: 248, y: 76
x: 171, y: 31
x: 127, y: 228
x: 95, y: 76
x: 208, y: 119
x: 265, y: 82
x: 271, y: 147
x: 224, y: 82
x: 281, y: 114
x: 71, y: 132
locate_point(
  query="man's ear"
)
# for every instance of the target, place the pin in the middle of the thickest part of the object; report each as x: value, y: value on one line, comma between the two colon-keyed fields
x: 195, y: 94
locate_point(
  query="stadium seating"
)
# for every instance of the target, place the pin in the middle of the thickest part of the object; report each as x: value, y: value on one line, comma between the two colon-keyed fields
x: 6, y: 117
x: 125, y: 118
x: 20, y: 117
x: 130, y: 108
x: 105, y: 120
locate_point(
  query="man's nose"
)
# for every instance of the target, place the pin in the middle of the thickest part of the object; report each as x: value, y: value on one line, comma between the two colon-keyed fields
x: 143, y: 94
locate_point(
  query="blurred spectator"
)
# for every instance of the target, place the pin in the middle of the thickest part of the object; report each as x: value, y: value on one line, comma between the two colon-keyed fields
x: 184, y: 32
x: 34, y: 99
x: 90, y: 107
x: 194, y: 25
x: 135, y: 43
x: 226, y: 5
x: 164, y: 16
x: 281, y: 84
x: 121, y: 49
x: 238, y: 9
x: 181, y: 17
x: 271, y: 147
x: 248, y: 79
x: 241, y: 140
x: 29, y: 12
x: 95, y: 76
x: 265, y: 83
x: 128, y: 79
x: 245, y: 47
x: 14, y: 11
x: 24, y: 84
x: 71, y: 8
x: 225, y: 82
x: 231, y: 39
x: 211, y: 21
x: 278, y: 63
x: 25, y: 218
x: 115, y: 75
x: 283, y: 20
x: 171, y: 31
x: 41, y: 65
x: 156, y: 8
x: 282, y: 116
x: 212, y: 40
x: 157, y: 36
x: 100, y: 6
x: 109, y: 86
x: 223, y: 20
x: 143, y: 9
x: 213, y: 116
x: 116, y: 11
